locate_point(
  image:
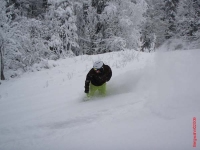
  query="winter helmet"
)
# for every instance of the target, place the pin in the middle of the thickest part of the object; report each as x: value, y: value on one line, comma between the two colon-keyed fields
x: 98, y: 64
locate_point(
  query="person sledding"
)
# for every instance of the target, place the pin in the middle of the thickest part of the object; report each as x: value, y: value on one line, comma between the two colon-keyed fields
x: 96, y: 79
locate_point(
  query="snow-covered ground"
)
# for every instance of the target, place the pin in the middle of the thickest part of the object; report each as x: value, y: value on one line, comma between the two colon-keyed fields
x: 151, y: 101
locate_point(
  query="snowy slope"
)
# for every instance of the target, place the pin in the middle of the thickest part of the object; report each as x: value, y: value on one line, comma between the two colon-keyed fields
x: 151, y: 102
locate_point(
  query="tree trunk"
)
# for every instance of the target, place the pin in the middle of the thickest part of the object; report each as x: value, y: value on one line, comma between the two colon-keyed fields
x: 1, y: 62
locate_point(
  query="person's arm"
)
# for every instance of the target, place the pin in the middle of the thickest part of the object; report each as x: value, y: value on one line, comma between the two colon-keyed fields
x: 87, y: 81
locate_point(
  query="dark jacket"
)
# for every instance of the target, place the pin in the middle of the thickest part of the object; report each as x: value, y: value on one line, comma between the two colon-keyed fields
x: 98, y: 79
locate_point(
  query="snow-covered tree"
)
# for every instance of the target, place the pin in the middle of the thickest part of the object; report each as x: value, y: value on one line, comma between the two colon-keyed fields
x: 154, y: 24
x: 23, y: 42
x: 62, y: 35
x: 99, y: 5
x: 6, y: 33
x: 131, y: 16
x: 28, y: 8
x: 3, y: 21
x: 80, y: 10
x: 160, y: 21
x: 109, y: 25
x: 188, y: 16
x: 92, y: 36
x: 110, y: 29
x: 170, y: 10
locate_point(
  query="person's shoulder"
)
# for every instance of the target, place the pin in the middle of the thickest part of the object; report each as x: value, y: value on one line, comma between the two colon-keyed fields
x: 91, y: 71
x: 106, y: 66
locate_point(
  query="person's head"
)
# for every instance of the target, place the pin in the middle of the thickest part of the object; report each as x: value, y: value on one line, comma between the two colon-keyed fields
x: 98, y: 66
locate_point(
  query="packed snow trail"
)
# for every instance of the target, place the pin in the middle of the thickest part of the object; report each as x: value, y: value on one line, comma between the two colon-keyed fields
x: 151, y: 102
